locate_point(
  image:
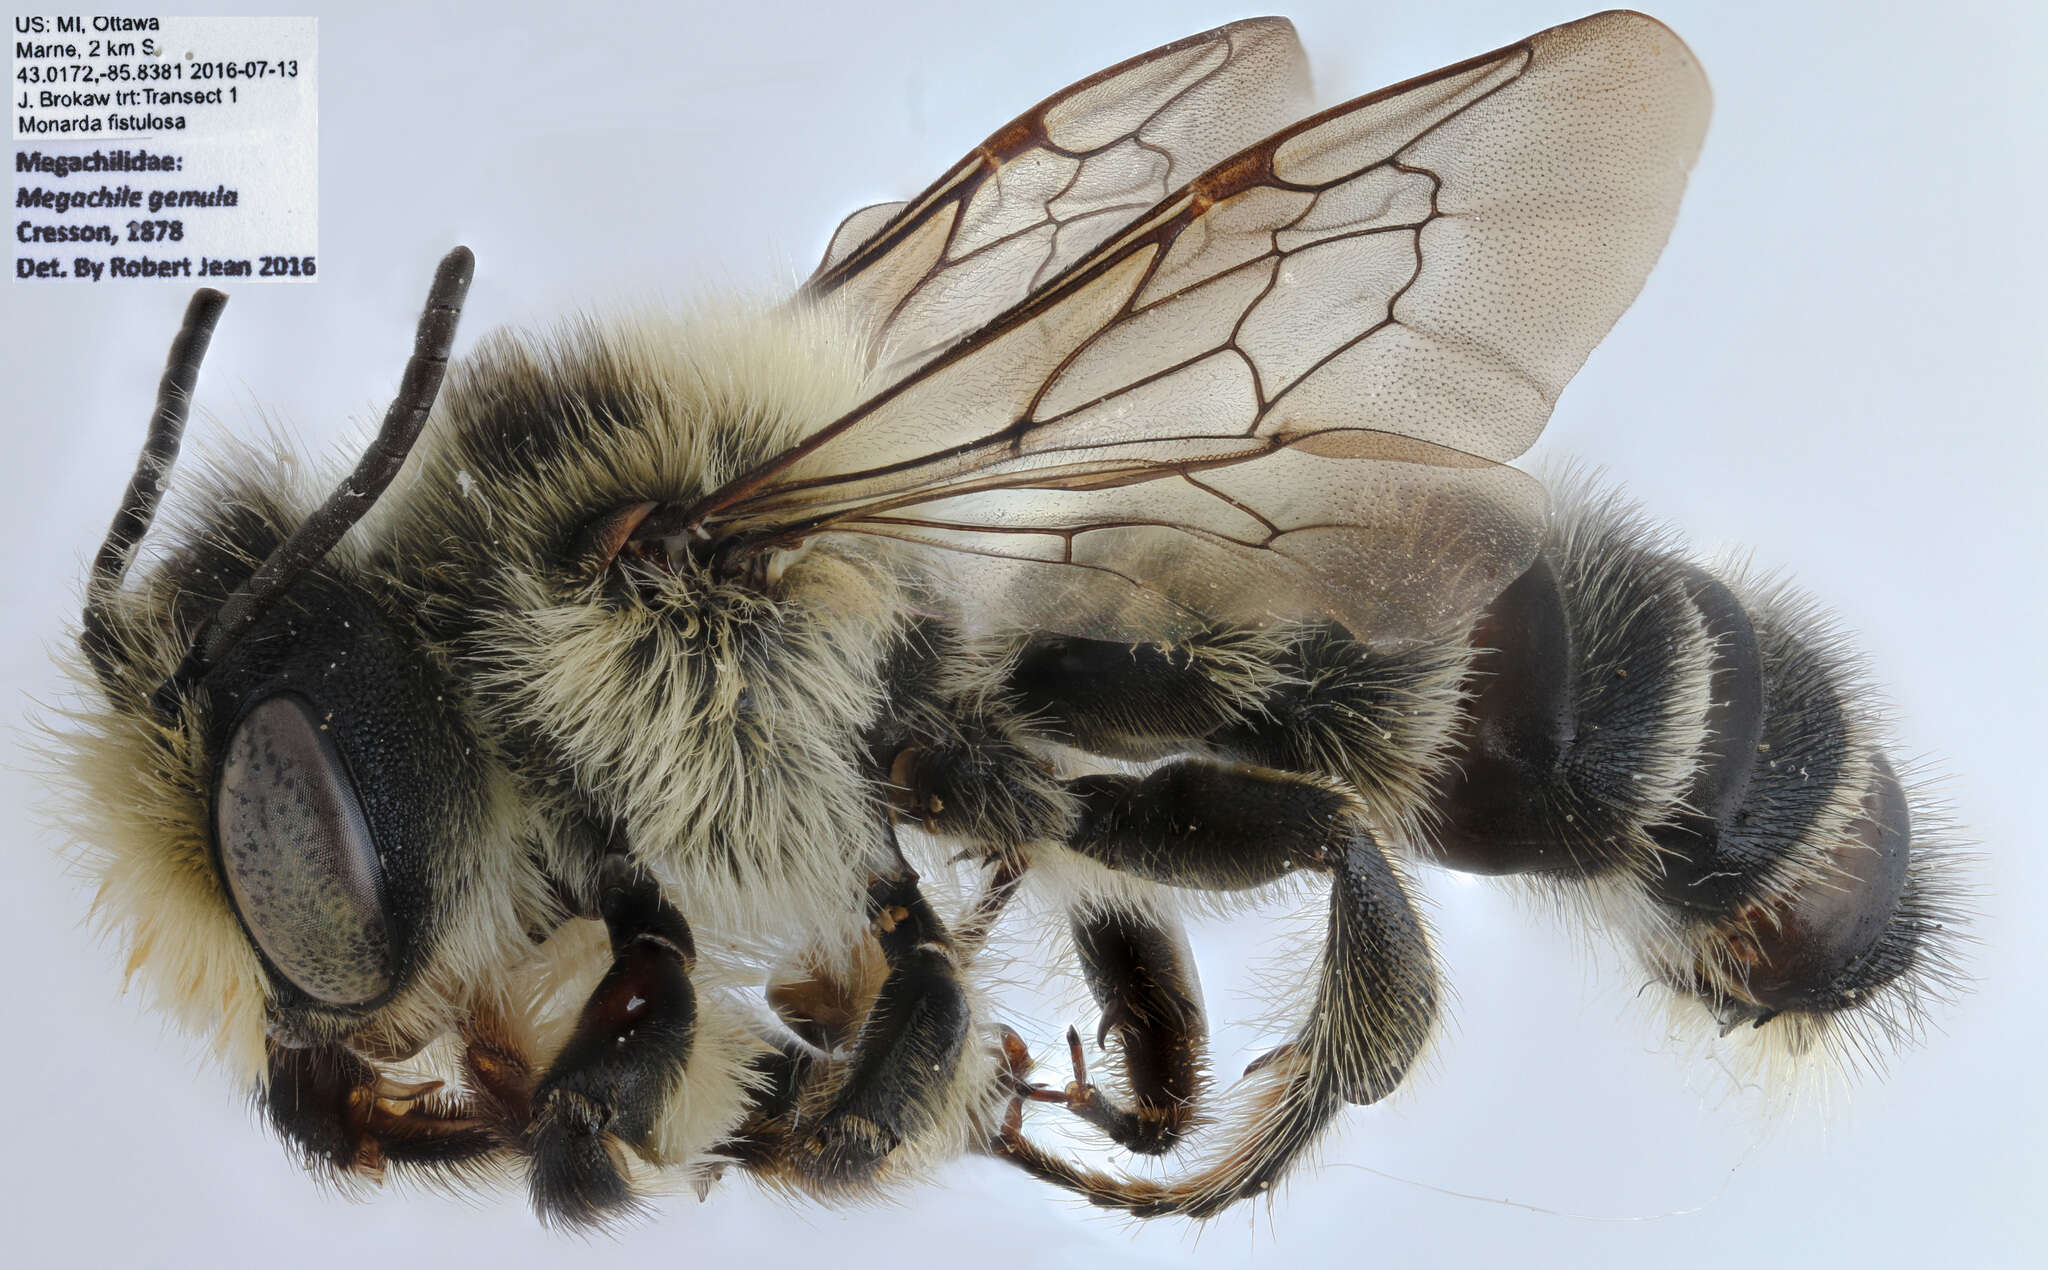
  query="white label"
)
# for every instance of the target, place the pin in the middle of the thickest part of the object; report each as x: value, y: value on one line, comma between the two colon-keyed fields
x: 150, y: 148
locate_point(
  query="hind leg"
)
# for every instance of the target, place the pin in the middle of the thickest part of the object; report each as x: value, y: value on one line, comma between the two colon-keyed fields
x: 1208, y: 826
x: 1142, y: 974
x: 1304, y: 698
x: 1690, y: 751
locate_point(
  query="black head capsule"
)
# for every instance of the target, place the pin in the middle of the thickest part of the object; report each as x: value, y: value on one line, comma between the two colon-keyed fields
x: 342, y: 783
x: 299, y: 857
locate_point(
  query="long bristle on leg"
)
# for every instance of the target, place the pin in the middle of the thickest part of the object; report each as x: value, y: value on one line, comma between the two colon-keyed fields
x: 342, y: 1115
x: 1142, y: 975
x: 906, y: 1052
x: 605, y: 1091
x: 1214, y: 827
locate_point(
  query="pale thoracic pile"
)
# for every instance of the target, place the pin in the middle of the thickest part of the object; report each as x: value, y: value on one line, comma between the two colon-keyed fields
x: 1128, y: 512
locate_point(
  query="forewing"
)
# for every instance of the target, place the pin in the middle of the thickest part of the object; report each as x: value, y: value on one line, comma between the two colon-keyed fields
x: 1052, y: 185
x: 1303, y: 367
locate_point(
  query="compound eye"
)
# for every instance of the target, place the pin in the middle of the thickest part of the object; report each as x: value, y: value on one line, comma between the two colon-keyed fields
x: 298, y: 855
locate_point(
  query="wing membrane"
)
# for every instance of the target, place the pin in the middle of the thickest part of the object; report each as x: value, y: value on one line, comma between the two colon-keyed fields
x: 1287, y: 388
x: 1427, y: 538
x: 1056, y: 182
x: 856, y: 230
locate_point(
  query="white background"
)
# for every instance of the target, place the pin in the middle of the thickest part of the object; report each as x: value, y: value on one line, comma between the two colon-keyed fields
x: 263, y: 144
x: 1838, y: 362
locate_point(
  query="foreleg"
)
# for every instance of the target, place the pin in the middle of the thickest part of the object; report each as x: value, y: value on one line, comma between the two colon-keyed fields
x: 337, y: 1110
x: 605, y: 1090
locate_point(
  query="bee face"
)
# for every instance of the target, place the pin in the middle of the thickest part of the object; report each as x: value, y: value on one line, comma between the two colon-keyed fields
x: 330, y: 809
x: 327, y: 868
x: 664, y: 588
x: 297, y: 832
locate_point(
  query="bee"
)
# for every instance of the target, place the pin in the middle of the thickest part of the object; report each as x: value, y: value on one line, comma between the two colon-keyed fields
x: 557, y: 798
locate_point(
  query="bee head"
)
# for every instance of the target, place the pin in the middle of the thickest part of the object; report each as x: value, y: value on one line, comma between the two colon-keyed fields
x: 338, y: 766
x: 280, y: 795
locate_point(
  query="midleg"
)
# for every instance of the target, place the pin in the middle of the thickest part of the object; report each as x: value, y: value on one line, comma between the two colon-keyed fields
x: 880, y: 1070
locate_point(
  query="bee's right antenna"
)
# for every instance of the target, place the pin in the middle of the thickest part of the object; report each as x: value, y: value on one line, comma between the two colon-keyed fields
x: 353, y: 498
x: 146, y: 487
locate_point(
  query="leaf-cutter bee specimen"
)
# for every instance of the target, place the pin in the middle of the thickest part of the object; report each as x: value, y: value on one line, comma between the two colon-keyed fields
x: 1129, y: 512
